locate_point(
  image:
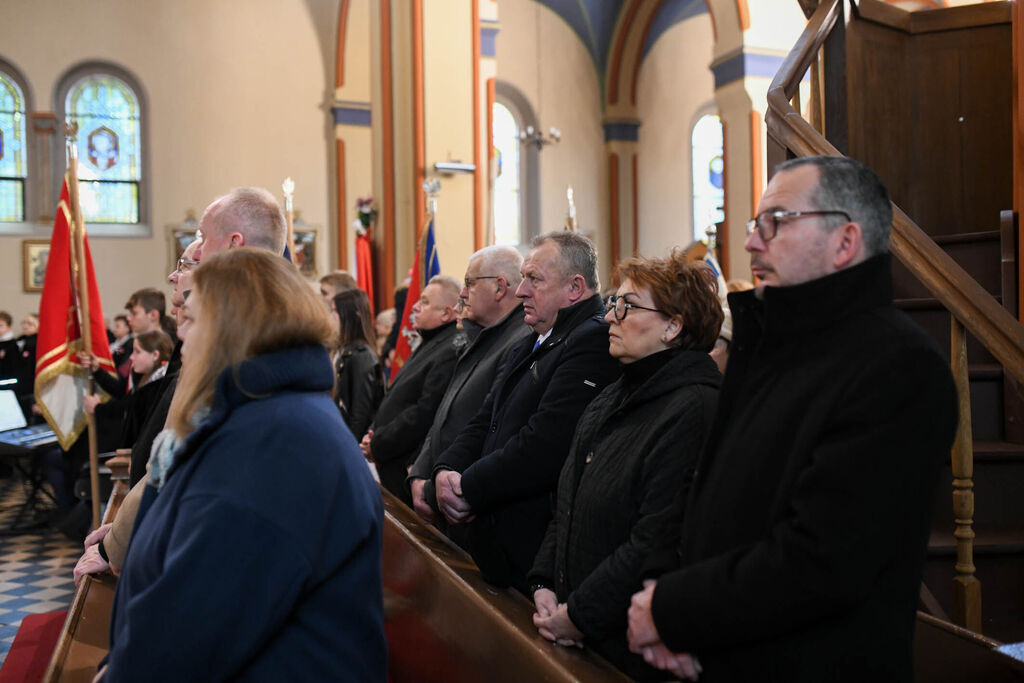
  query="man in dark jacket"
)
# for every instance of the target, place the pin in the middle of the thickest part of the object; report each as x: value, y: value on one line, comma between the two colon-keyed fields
x: 492, y: 278
x: 408, y: 408
x: 806, y: 526
x: 503, y: 468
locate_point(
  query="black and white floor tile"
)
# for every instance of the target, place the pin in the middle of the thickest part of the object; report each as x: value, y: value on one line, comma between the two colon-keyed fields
x: 35, y: 568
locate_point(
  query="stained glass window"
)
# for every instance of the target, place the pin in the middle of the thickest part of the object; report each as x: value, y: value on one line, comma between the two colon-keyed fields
x: 708, y: 175
x: 506, y: 185
x: 106, y: 110
x: 13, y: 167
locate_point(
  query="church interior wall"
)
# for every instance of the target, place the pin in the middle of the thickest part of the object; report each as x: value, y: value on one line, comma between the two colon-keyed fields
x: 234, y: 98
x: 674, y: 84
x: 564, y: 92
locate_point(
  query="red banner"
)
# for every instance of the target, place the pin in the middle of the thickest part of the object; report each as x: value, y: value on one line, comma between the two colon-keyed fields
x: 60, y: 381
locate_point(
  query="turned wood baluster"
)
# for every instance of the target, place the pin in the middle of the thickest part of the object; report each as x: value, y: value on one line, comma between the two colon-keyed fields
x: 966, y: 587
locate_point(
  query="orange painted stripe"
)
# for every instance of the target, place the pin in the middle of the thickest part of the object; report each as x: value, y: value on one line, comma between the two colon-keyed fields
x: 640, y: 52
x: 387, y: 287
x: 613, y: 192
x: 714, y: 30
x: 636, y: 210
x: 490, y: 120
x: 744, y: 13
x: 478, y: 160
x: 342, y: 204
x: 339, y: 68
x: 419, y: 154
x: 620, y: 44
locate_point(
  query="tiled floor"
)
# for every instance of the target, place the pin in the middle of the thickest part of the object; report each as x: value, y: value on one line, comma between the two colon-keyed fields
x: 35, y: 569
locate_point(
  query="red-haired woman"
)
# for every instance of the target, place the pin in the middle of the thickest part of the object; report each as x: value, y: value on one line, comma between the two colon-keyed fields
x: 634, y: 448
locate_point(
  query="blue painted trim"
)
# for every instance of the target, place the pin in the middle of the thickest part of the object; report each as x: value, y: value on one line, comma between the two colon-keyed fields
x: 352, y: 116
x: 728, y: 71
x: 488, y: 41
x: 626, y: 132
x: 744, y: 64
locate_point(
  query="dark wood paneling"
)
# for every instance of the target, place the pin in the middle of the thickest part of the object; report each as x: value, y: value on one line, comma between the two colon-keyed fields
x: 931, y: 112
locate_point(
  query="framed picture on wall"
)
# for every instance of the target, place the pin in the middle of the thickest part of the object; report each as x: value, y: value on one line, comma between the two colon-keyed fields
x: 305, y: 251
x: 34, y: 256
x: 181, y: 235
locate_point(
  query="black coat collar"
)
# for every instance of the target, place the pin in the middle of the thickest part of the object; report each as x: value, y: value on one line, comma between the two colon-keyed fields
x: 788, y: 312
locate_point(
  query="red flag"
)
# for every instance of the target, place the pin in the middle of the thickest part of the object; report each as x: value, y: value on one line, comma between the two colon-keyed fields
x: 60, y: 381
x: 425, y: 267
x: 364, y: 264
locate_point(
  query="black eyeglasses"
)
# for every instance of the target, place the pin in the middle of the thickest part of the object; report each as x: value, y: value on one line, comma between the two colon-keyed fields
x: 470, y: 280
x: 767, y: 222
x: 621, y: 307
x: 185, y: 263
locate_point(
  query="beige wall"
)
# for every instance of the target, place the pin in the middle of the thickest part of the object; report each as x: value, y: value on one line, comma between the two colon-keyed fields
x: 674, y: 83
x: 565, y: 93
x: 234, y: 98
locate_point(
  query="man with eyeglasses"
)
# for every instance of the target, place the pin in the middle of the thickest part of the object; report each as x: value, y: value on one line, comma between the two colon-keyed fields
x: 493, y: 322
x: 806, y: 524
x: 499, y: 474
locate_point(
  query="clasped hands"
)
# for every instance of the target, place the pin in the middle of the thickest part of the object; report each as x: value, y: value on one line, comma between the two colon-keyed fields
x: 552, y: 620
x: 645, y: 641
x: 450, y: 500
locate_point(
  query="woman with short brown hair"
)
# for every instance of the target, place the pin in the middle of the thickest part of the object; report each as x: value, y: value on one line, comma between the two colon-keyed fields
x: 633, y: 450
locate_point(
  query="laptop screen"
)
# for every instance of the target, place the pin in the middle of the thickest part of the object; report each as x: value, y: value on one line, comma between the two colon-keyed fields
x: 11, y: 416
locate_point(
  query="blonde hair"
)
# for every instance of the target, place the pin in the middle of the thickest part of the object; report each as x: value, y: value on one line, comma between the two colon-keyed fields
x: 251, y: 303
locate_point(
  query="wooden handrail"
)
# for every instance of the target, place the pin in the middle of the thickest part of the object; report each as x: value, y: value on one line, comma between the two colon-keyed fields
x: 980, y: 313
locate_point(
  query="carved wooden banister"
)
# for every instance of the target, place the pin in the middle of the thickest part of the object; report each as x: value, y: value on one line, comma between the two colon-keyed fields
x: 966, y: 587
x: 971, y: 307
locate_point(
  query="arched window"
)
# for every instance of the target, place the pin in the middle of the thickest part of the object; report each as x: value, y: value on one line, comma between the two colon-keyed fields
x: 708, y: 174
x: 507, y: 205
x: 109, y: 113
x: 13, y: 149
x: 516, y: 205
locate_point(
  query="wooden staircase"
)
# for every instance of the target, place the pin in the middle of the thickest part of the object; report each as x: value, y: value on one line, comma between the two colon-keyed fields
x: 924, y: 98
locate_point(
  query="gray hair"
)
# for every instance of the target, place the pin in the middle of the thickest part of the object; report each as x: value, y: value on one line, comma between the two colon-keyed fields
x: 449, y: 285
x: 503, y: 260
x: 255, y: 213
x: 846, y: 184
x: 576, y: 255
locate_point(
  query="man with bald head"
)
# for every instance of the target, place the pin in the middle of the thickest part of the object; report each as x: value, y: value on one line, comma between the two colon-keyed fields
x: 244, y: 217
x: 493, y: 320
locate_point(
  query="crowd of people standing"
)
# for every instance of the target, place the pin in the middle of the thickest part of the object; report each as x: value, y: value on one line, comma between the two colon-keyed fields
x: 584, y: 449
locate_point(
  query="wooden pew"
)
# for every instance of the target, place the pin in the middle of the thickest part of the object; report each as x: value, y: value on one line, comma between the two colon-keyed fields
x: 84, y: 641
x: 444, y: 623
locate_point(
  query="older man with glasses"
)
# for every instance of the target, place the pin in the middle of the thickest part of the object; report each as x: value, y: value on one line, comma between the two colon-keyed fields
x: 807, y: 521
x: 493, y: 320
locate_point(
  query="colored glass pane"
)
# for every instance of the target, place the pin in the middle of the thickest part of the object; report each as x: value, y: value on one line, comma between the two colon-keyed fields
x: 106, y: 110
x: 13, y: 167
x: 12, y: 200
x: 506, y: 185
x: 708, y: 175
x: 109, y: 202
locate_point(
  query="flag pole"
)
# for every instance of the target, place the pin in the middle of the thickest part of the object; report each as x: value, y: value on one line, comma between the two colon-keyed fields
x: 82, y: 306
x: 288, y: 186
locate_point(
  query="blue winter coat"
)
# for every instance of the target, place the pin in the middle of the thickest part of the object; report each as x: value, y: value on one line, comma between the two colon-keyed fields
x: 260, y: 557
